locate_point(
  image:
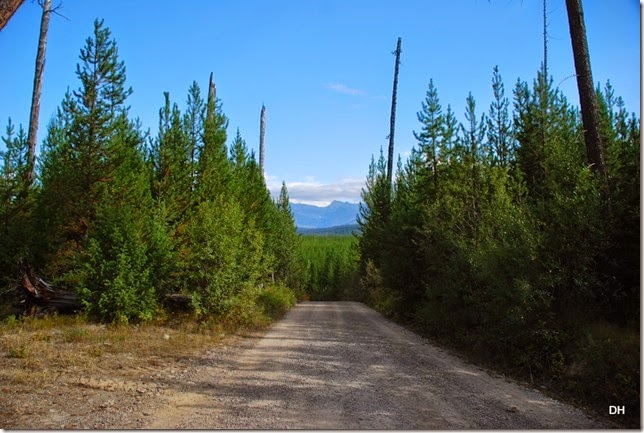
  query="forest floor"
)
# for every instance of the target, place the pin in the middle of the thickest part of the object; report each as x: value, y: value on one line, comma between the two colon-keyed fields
x: 326, y: 365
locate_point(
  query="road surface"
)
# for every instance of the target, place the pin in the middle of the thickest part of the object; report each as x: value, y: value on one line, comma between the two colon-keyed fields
x: 340, y: 365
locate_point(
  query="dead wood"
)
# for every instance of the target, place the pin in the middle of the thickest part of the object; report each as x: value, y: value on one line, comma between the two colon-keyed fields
x: 40, y: 297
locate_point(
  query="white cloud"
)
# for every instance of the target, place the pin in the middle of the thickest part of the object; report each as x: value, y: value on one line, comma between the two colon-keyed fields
x: 309, y: 191
x: 345, y: 90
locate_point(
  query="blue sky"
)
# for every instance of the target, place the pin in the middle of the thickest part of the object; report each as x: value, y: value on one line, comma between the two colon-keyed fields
x: 323, y: 68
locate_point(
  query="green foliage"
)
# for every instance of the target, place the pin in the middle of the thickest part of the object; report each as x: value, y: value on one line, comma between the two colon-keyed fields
x: 257, y: 306
x: 126, y: 225
x: 600, y: 370
x: 16, y: 204
x: 331, y: 263
x: 499, y: 126
x: 286, y: 247
x: 375, y: 293
x: 374, y: 208
x: 275, y: 300
x: 497, y: 240
x: 211, y: 264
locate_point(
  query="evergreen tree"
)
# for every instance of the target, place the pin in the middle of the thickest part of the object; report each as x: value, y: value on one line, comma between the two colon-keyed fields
x: 86, y: 122
x: 16, y: 204
x: 95, y: 191
x: 618, y: 292
x: 213, y: 166
x: 171, y: 156
x: 289, y: 265
x: 193, y: 120
x: 430, y: 137
x: 499, y: 127
x: 496, y: 241
x: 372, y: 217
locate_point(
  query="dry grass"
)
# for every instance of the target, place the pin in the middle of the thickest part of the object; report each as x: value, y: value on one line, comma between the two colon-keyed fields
x: 34, y: 351
x: 68, y: 372
x: 69, y: 365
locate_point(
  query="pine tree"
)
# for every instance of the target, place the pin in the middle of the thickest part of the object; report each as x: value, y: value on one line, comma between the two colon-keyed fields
x: 119, y: 284
x: 372, y: 217
x: 213, y: 166
x: 476, y: 157
x: 193, y: 120
x: 499, y: 126
x: 431, y: 134
x: 16, y: 204
x: 289, y: 265
x: 619, y: 292
x: 238, y: 152
x: 95, y: 196
x: 450, y: 147
x: 88, y: 121
x: 474, y: 132
x: 171, y: 155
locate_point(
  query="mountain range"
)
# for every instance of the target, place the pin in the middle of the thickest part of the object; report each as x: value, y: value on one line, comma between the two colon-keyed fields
x: 337, y: 213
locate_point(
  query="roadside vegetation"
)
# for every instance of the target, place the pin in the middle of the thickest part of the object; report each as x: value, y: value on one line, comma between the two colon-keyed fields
x: 500, y: 240
x: 497, y: 238
x: 130, y: 222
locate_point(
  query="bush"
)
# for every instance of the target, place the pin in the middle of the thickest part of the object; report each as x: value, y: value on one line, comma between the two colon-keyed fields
x: 605, y: 369
x: 275, y: 300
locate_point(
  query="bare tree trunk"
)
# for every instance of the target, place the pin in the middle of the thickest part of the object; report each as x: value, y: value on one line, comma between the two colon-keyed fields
x: 212, y: 99
x: 35, y: 99
x: 392, y: 119
x: 587, y: 97
x: 262, y: 133
x: 589, y: 109
x: 545, y: 39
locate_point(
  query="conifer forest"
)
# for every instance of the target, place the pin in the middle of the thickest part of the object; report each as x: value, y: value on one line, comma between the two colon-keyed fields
x: 126, y: 221
x: 497, y: 237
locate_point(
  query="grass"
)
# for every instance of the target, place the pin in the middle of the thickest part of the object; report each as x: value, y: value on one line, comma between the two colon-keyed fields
x: 37, y: 351
x: 52, y: 363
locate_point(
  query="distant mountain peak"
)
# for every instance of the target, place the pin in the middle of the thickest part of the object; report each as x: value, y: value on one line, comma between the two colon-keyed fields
x: 336, y: 213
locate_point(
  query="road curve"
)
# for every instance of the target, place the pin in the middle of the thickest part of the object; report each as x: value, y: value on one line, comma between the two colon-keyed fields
x: 340, y: 365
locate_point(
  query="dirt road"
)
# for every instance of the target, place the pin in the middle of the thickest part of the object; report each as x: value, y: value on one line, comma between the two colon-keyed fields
x: 340, y: 365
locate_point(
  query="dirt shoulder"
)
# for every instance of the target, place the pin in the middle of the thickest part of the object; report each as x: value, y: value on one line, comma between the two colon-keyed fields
x: 63, y: 373
x: 325, y: 366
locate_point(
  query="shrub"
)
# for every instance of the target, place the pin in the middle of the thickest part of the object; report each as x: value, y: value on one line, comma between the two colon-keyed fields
x: 275, y: 300
x: 605, y: 368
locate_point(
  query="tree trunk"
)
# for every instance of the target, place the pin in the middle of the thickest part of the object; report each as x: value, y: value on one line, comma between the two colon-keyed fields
x: 392, y: 120
x: 262, y: 133
x: 545, y: 39
x: 212, y: 99
x: 587, y: 97
x: 35, y: 99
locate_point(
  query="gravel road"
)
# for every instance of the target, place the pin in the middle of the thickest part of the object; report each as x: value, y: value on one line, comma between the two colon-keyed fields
x: 340, y: 365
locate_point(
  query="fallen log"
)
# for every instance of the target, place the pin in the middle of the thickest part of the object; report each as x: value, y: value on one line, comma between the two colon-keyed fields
x: 40, y: 297
x: 178, y: 302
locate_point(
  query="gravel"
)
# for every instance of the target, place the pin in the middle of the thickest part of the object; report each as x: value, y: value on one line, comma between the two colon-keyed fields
x: 340, y: 365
